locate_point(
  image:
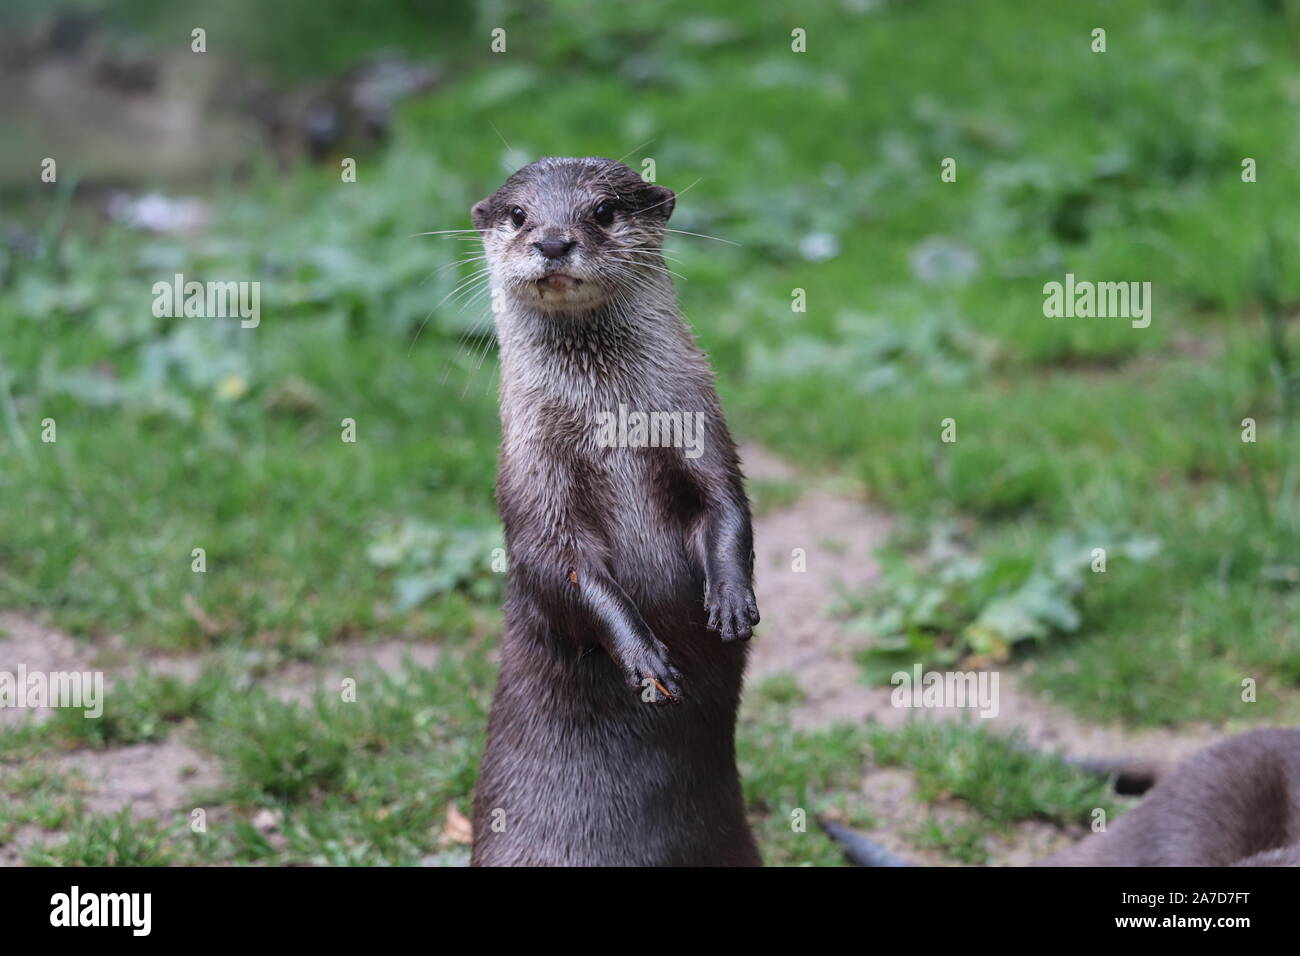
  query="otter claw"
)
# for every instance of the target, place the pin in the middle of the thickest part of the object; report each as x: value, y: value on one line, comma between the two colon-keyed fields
x: 651, y: 664
x: 733, y: 612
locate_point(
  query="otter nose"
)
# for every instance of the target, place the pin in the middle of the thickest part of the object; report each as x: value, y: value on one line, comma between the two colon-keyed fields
x: 554, y: 248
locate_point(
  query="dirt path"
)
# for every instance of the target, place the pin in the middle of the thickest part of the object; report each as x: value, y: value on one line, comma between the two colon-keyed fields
x: 25, y: 642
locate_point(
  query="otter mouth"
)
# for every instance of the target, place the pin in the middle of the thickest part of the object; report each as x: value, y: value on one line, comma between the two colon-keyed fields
x: 557, y: 282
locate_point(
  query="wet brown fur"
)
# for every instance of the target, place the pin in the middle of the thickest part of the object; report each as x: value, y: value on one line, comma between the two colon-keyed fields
x: 620, y: 558
x: 1234, y: 804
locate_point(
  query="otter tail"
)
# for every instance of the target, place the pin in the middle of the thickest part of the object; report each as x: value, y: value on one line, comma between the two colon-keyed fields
x: 857, y: 848
x: 1129, y: 777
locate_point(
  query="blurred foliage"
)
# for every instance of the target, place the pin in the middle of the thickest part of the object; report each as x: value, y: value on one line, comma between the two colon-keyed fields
x: 953, y: 607
x: 924, y: 302
x: 429, y: 560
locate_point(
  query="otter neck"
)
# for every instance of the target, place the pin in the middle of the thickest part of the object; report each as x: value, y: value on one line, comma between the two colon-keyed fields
x: 620, y: 337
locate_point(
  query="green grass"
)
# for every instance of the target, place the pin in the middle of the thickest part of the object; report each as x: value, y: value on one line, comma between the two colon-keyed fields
x: 38, y: 796
x: 143, y: 709
x: 369, y: 782
x: 109, y: 840
x: 791, y: 776
x: 961, y: 841
x: 176, y: 434
x: 998, y: 777
x: 358, y: 781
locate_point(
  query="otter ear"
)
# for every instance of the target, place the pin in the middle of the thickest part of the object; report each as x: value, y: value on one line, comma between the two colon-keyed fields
x: 480, y: 213
x: 660, y: 201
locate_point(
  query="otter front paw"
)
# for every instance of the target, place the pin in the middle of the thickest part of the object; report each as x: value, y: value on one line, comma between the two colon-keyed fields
x: 733, y: 612
x: 649, y: 671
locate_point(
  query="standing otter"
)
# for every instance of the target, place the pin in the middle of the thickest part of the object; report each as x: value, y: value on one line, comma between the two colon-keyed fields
x: 611, y: 740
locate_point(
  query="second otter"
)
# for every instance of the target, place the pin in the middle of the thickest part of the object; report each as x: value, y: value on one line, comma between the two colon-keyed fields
x: 611, y: 738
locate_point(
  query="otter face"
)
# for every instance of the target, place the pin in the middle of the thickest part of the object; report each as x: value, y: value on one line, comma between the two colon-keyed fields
x: 567, y: 235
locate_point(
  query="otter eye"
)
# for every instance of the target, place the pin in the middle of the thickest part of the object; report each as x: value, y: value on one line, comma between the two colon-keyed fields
x: 517, y: 216
x: 603, y: 213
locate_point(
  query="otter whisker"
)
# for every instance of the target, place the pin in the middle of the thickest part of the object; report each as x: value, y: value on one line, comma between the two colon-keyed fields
x: 651, y: 266
x: 683, y: 232
x: 673, y: 198
x: 630, y: 152
x: 500, y: 137
x: 477, y: 275
x: 459, y: 262
x: 476, y: 329
x: 439, y: 232
x: 466, y: 283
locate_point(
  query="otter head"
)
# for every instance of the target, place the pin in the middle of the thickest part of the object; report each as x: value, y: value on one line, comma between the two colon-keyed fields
x: 567, y: 235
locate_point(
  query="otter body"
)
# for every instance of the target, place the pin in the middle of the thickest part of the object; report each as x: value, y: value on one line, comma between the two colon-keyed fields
x: 1234, y: 804
x: 611, y: 737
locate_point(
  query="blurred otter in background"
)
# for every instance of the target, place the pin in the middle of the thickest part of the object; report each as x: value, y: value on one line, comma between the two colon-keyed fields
x: 1236, y: 803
